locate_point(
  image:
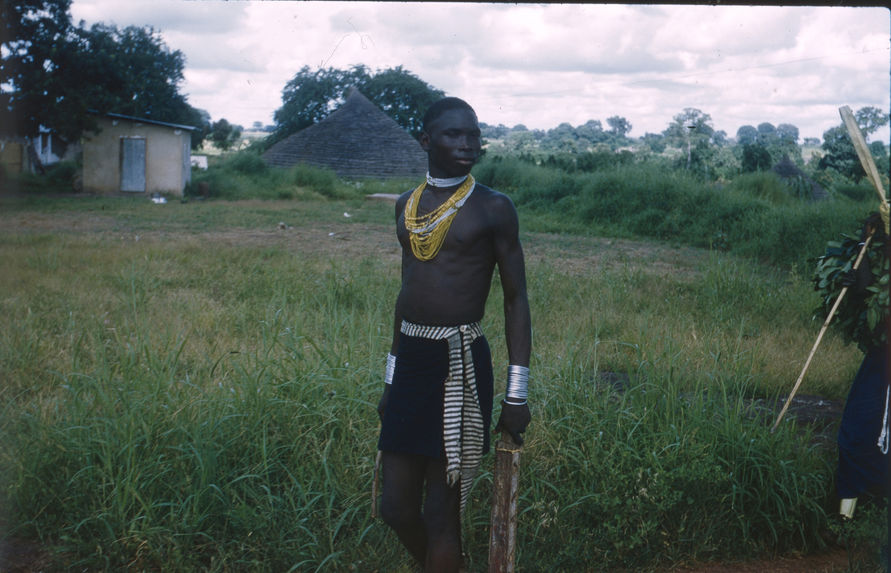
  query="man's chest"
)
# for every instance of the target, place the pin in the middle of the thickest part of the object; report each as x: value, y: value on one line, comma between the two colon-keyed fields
x: 467, y: 232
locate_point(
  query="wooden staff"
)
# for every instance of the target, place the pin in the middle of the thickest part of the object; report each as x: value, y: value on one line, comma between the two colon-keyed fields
x: 503, y: 537
x: 807, y: 363
x: 374, y: 480
x: 866, y: 160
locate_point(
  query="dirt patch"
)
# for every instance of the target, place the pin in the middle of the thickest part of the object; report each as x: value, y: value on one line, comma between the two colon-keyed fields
x: 23, y: 556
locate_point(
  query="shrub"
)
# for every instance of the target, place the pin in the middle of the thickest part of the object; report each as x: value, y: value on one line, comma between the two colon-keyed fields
x: 321, y: 180
x: 763, y: 185
x: 862, y: 191
x: 248, y: 163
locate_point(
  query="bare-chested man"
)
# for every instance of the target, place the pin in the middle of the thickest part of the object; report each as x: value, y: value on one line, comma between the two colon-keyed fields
x: 437, y: 403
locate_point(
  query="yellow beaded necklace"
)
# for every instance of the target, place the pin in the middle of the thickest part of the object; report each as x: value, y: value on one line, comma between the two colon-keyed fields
x: 427, y: 232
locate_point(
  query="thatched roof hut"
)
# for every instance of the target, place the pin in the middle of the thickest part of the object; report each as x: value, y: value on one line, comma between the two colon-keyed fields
x: 356, y: 140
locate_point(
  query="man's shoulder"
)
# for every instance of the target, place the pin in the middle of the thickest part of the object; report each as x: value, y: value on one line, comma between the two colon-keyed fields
x: 492, y: 197
x: 488, y: 192
x: 403, y: 199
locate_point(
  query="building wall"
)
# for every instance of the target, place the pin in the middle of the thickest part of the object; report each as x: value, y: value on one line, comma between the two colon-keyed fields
x: 166, y: 156
x: 13, y: 156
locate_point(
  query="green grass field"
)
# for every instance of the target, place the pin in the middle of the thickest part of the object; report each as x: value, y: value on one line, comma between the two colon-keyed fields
x: 192, y: 387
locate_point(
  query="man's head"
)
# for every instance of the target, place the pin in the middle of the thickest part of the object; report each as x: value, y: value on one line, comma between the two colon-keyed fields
x: 442, y: 106
x: 451, y: 138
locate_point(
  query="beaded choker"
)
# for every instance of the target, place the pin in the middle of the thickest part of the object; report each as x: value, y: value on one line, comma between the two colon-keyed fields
x: 427, y: 232
x: 437, y: 182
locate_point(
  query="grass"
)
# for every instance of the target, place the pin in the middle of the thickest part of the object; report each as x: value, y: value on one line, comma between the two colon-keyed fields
x: 756, y: 216
x: 202, y: 398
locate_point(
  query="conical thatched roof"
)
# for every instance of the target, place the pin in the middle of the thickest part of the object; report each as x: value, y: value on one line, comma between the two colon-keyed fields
x: 356, y: 140
x: 798, y: 179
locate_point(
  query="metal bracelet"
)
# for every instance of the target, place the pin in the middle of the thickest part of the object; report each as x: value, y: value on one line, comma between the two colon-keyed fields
x: 517, y: 383
x: 391, y: 368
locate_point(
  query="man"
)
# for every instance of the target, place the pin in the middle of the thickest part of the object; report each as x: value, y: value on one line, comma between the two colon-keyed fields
x: 437, y: 403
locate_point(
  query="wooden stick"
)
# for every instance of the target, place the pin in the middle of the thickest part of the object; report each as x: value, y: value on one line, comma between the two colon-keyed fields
x: 503, y: 536
x: 807, y: 363
x: 866, y: 160
x: 374, y: 480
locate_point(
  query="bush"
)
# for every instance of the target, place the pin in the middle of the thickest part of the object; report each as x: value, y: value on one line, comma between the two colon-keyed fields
x: 61, y: 175
x: 244, y: 175
x: 762, y: 185
x: 321, y: 180
x: 862, y: 191
x: 756, y: 214
x: 248, y: 163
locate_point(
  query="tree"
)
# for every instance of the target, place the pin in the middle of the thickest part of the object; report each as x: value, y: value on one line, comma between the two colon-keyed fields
x: 870, y: 119
x: 788, y: 133
x: 133, y: 72
x: 618, y: 126
x: 311, y: 95
x: 655, y: 141
x: 840, y: 153
x: 746, y: 135
x: 767, y: 133
x: 755, y: 157
x: 591, y: 133
x: 32, y: 32
x: 880, y: 154
x: 54, y: 74
x: 401, y: 95
x: 689, y: 123
x: 690, y: 127
x: 308, y: 98
x: 197, y: 118
x: 562, y: 139
x: 521, y: 141
x: 224, y: 135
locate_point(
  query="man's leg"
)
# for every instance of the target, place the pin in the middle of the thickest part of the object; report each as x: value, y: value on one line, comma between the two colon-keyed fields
x: 403, y: 486
x: 442, y: 516
x: 434, y: 538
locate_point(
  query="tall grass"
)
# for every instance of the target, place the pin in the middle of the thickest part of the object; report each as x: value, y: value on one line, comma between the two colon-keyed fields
x: 755, y: 216
x: 179, y: 403
x: 246, y: 176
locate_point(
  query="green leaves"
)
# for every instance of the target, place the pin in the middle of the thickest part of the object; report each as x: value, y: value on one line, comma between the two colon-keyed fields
x: 58, y: 72
x: 859, y: 318
x: 313, y: 94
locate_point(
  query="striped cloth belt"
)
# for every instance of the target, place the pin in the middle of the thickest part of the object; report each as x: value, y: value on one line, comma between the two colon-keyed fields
x: 462, y: 421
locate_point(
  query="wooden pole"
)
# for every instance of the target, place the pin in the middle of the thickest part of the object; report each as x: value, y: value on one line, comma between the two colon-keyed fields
x: 374, y: 481
x: 829, y: 318
x: 503, y: 535
x: 866, y: 160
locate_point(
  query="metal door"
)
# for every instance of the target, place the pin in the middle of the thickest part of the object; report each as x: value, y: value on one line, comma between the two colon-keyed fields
x: 133, y: 164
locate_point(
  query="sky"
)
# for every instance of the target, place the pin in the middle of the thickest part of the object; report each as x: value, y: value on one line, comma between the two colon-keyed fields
x: 538, y: 65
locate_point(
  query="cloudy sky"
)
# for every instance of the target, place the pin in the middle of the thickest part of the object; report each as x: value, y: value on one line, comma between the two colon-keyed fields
x: 537, y: 64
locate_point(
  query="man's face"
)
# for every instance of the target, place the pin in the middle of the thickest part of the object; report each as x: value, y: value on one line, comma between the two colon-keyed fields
x: 452, y: 143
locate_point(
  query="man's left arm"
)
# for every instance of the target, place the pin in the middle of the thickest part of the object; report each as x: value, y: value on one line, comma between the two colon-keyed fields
x: 515, y: 414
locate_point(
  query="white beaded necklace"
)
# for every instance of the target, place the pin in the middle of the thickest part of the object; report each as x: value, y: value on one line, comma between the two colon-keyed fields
x: 447, y: 182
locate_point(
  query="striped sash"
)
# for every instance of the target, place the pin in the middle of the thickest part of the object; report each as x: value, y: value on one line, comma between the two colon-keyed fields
x: 462, y: 421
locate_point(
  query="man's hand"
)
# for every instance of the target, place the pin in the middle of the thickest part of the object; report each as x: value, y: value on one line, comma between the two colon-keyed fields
x: 513, y: 420
x: 382, y: 404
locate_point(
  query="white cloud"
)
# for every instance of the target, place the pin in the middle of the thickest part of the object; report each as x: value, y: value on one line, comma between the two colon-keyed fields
x: 539, y: 65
